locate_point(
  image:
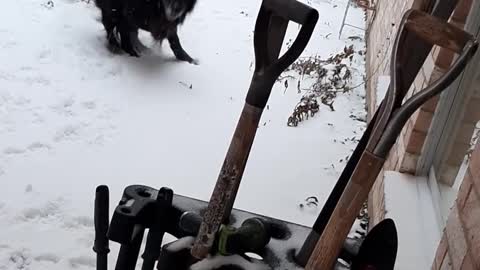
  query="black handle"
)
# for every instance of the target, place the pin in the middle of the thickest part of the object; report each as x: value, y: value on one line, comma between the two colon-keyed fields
x: 270, y: 28
x: 291, y: 10
x: 128, y: 254
x: 100, y: 245
x: 252, y: 236
x: 158, y: 229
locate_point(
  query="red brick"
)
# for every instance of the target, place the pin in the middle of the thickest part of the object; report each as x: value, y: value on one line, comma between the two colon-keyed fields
x: 446, y: 264
x: 457, y: 244
x: 470, y: 215
x: 468, y: 264
x: 474, y: 165
x: 418, y: 83
x: 448, y: 174
x: 408, y: 163
x: 464, y: 190
x: 431, y: 104
x: 460, y: 25
x: 423, y: 121
x: 457, y: 154
x: 461, y: 11
x: 472, y: 112
x: 395, y: 158
x: 428, y: 67
x: 415, y: 142
x: 407, y: 129
x: 444, y: 58
x: 465, y: 133
x: 441, y: 252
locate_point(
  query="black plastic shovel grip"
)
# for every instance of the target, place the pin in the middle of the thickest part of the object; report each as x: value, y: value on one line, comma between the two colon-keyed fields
x: 289, y: 10
x: 270, y: 28
x: 101, y: 213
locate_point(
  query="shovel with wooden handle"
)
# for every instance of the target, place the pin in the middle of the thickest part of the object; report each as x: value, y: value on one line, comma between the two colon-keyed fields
x: 270, y: 28
x: 388, y: 123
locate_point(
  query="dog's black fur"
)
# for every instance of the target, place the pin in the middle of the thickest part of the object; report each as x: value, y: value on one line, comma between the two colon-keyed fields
x: 123, y: 18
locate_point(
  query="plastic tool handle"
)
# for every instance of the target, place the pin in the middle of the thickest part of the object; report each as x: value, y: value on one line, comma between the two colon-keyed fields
x: 252, y: 236
x: 270, y: 30
x: 289, y: 10
x: 157, y: 231
x: 101, y: 226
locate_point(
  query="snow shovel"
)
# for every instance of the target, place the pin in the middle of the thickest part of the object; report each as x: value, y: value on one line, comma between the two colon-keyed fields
x: 387, y: 125
x: 270, y: 28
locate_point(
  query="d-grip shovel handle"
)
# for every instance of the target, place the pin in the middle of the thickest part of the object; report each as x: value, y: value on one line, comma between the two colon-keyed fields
x: 392, y: 118
x: 437, y: 32
x: 270, y: 30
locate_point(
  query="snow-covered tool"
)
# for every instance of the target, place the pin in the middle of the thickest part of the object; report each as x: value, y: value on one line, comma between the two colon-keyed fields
x: 246, y: 233
x: 387, y: 125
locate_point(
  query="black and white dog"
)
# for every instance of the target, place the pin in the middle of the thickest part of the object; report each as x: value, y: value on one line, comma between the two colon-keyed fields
x: 123, y: 18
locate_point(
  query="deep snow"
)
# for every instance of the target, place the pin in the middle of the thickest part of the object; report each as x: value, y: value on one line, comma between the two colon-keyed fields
x: 73, y: 116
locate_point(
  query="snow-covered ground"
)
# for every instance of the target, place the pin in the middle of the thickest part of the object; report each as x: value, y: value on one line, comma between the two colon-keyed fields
x: 73, y: 116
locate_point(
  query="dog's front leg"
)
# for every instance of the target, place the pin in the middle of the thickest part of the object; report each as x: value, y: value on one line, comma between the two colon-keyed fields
x: 177, y: 49
x: 126, y: 31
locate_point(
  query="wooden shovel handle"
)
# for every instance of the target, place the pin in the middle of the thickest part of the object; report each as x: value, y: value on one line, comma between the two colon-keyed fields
x: 228, y: 180
x: 437, y: 32
x: 356, y: 192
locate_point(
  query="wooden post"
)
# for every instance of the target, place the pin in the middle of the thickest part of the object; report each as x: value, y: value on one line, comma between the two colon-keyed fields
x: 330, y: 243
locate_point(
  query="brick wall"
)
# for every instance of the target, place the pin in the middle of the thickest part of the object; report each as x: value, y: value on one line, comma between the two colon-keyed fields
x: 406, y: 152
x: 382, y: 27
x: 459, y: 248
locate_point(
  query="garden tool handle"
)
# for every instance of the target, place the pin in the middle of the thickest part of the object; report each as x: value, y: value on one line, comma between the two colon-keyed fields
x: 270, y: 28
x: 393, y: 116
x: 252, y: 236
x: 291, y: 10
x: 437, y: 32
x: 433, y: 31
x: 101, y: 212
x: 401, y: 116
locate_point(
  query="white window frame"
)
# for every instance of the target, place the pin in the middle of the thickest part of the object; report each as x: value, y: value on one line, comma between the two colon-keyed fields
x: 444, y: 123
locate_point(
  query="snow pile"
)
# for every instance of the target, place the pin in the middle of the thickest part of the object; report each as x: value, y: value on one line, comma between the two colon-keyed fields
x: 409, y: 203
x: 73, y: 116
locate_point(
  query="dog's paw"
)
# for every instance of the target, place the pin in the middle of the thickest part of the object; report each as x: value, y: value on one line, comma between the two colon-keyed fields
x: 194, y: 62
x: 140, y: 48
x: 134, y: 53
x: 130, y: 50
